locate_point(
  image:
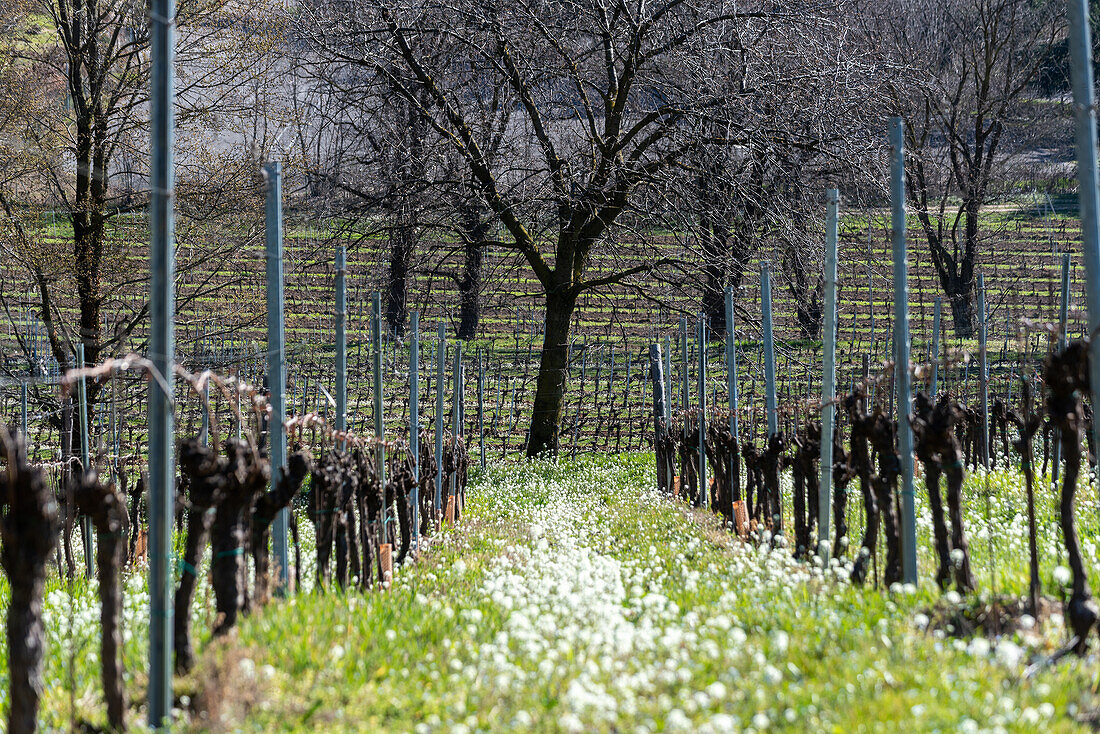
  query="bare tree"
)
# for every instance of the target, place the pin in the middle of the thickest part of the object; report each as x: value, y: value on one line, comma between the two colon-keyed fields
x: 606, y: 93
x: 816, y: 113
x: 80, y: 144
x: 961, y: 71
x: 405, y: 181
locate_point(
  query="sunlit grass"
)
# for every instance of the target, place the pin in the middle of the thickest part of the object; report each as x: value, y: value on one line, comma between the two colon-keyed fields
x: 573, y: 598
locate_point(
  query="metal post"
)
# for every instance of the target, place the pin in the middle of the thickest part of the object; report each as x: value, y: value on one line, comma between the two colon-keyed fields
x: 162, y: 346
x: 901, y: 353
x: 456, y: 392
x: 240, y: 416
x: 684, y: 387
x: 1063, y: 313
x: 276, y: 362
x: 341, y: 339
x: 205, y: 434
x: 828, y: 375
x: 1087, y: 176
x: 935, y: 349
x: 414, y: 421
x: 85, y: 460
x: 481, y: 404
x: 769, y: 347
x: 611, y: 376
x: 983, y: 374
x: 731, y: 362
x: 115, y: 429
x: 441, y: 356
x: 23, y: 410
x: 660, y: 412
x: 668, y: 381
x: 1063, y: 339
x: 456, y: 407
x: 379, y: 426
x: 701, y: 332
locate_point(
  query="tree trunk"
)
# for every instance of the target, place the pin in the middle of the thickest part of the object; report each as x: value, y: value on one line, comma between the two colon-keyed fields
x: 809, y: 319
x: 88, y: 234
x: 806, y: 292
x: 475, y: 231
x: 553, y: 369
x: 198, y: 525
x: 408, y: 170
x: 27, y: 640
x: 402, y: 244
x: 88, y: 221
x: 961, y: 297
x: 714, y: 248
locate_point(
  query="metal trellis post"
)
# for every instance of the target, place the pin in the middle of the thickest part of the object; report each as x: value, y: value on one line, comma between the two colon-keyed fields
x: 341, y: 338
x: 935, y: 348
x: 731, y: 362
x: 456, y: 408
x: 660, y: 411
x: 85, y: 460
x: 23, y: 410
x: 668, y: 382
x: 703, y: 499
x: 769, y: 347
x: 684, y: 386
x: 983, y: 374
x: 1063, y: 339
x: 414, y: 421
x: 205, y: 435
x: 901, y: 353
x: 162, y: 346
x: 379, y: 425
x: 481, y: 404
x: 276, y: 362
x: 828, y: 375
x: 1085, y: 113
x: 441, y: 356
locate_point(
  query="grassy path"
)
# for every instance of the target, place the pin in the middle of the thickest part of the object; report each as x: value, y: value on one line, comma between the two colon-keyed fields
x: 574, y: 599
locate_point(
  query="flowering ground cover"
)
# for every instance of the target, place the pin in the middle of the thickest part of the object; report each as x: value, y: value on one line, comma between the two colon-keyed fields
x: 574, y: 598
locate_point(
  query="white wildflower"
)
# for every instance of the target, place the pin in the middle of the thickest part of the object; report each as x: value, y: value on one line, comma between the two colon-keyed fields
x: 772, y: 675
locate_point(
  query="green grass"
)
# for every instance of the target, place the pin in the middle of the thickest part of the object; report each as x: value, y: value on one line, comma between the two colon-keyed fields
x: 574, y: 599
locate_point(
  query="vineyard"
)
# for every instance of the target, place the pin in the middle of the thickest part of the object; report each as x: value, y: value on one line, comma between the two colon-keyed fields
x: 387, y: 365
x: 449, y: 572
x: 447, y: 565
x: 609, y: 349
